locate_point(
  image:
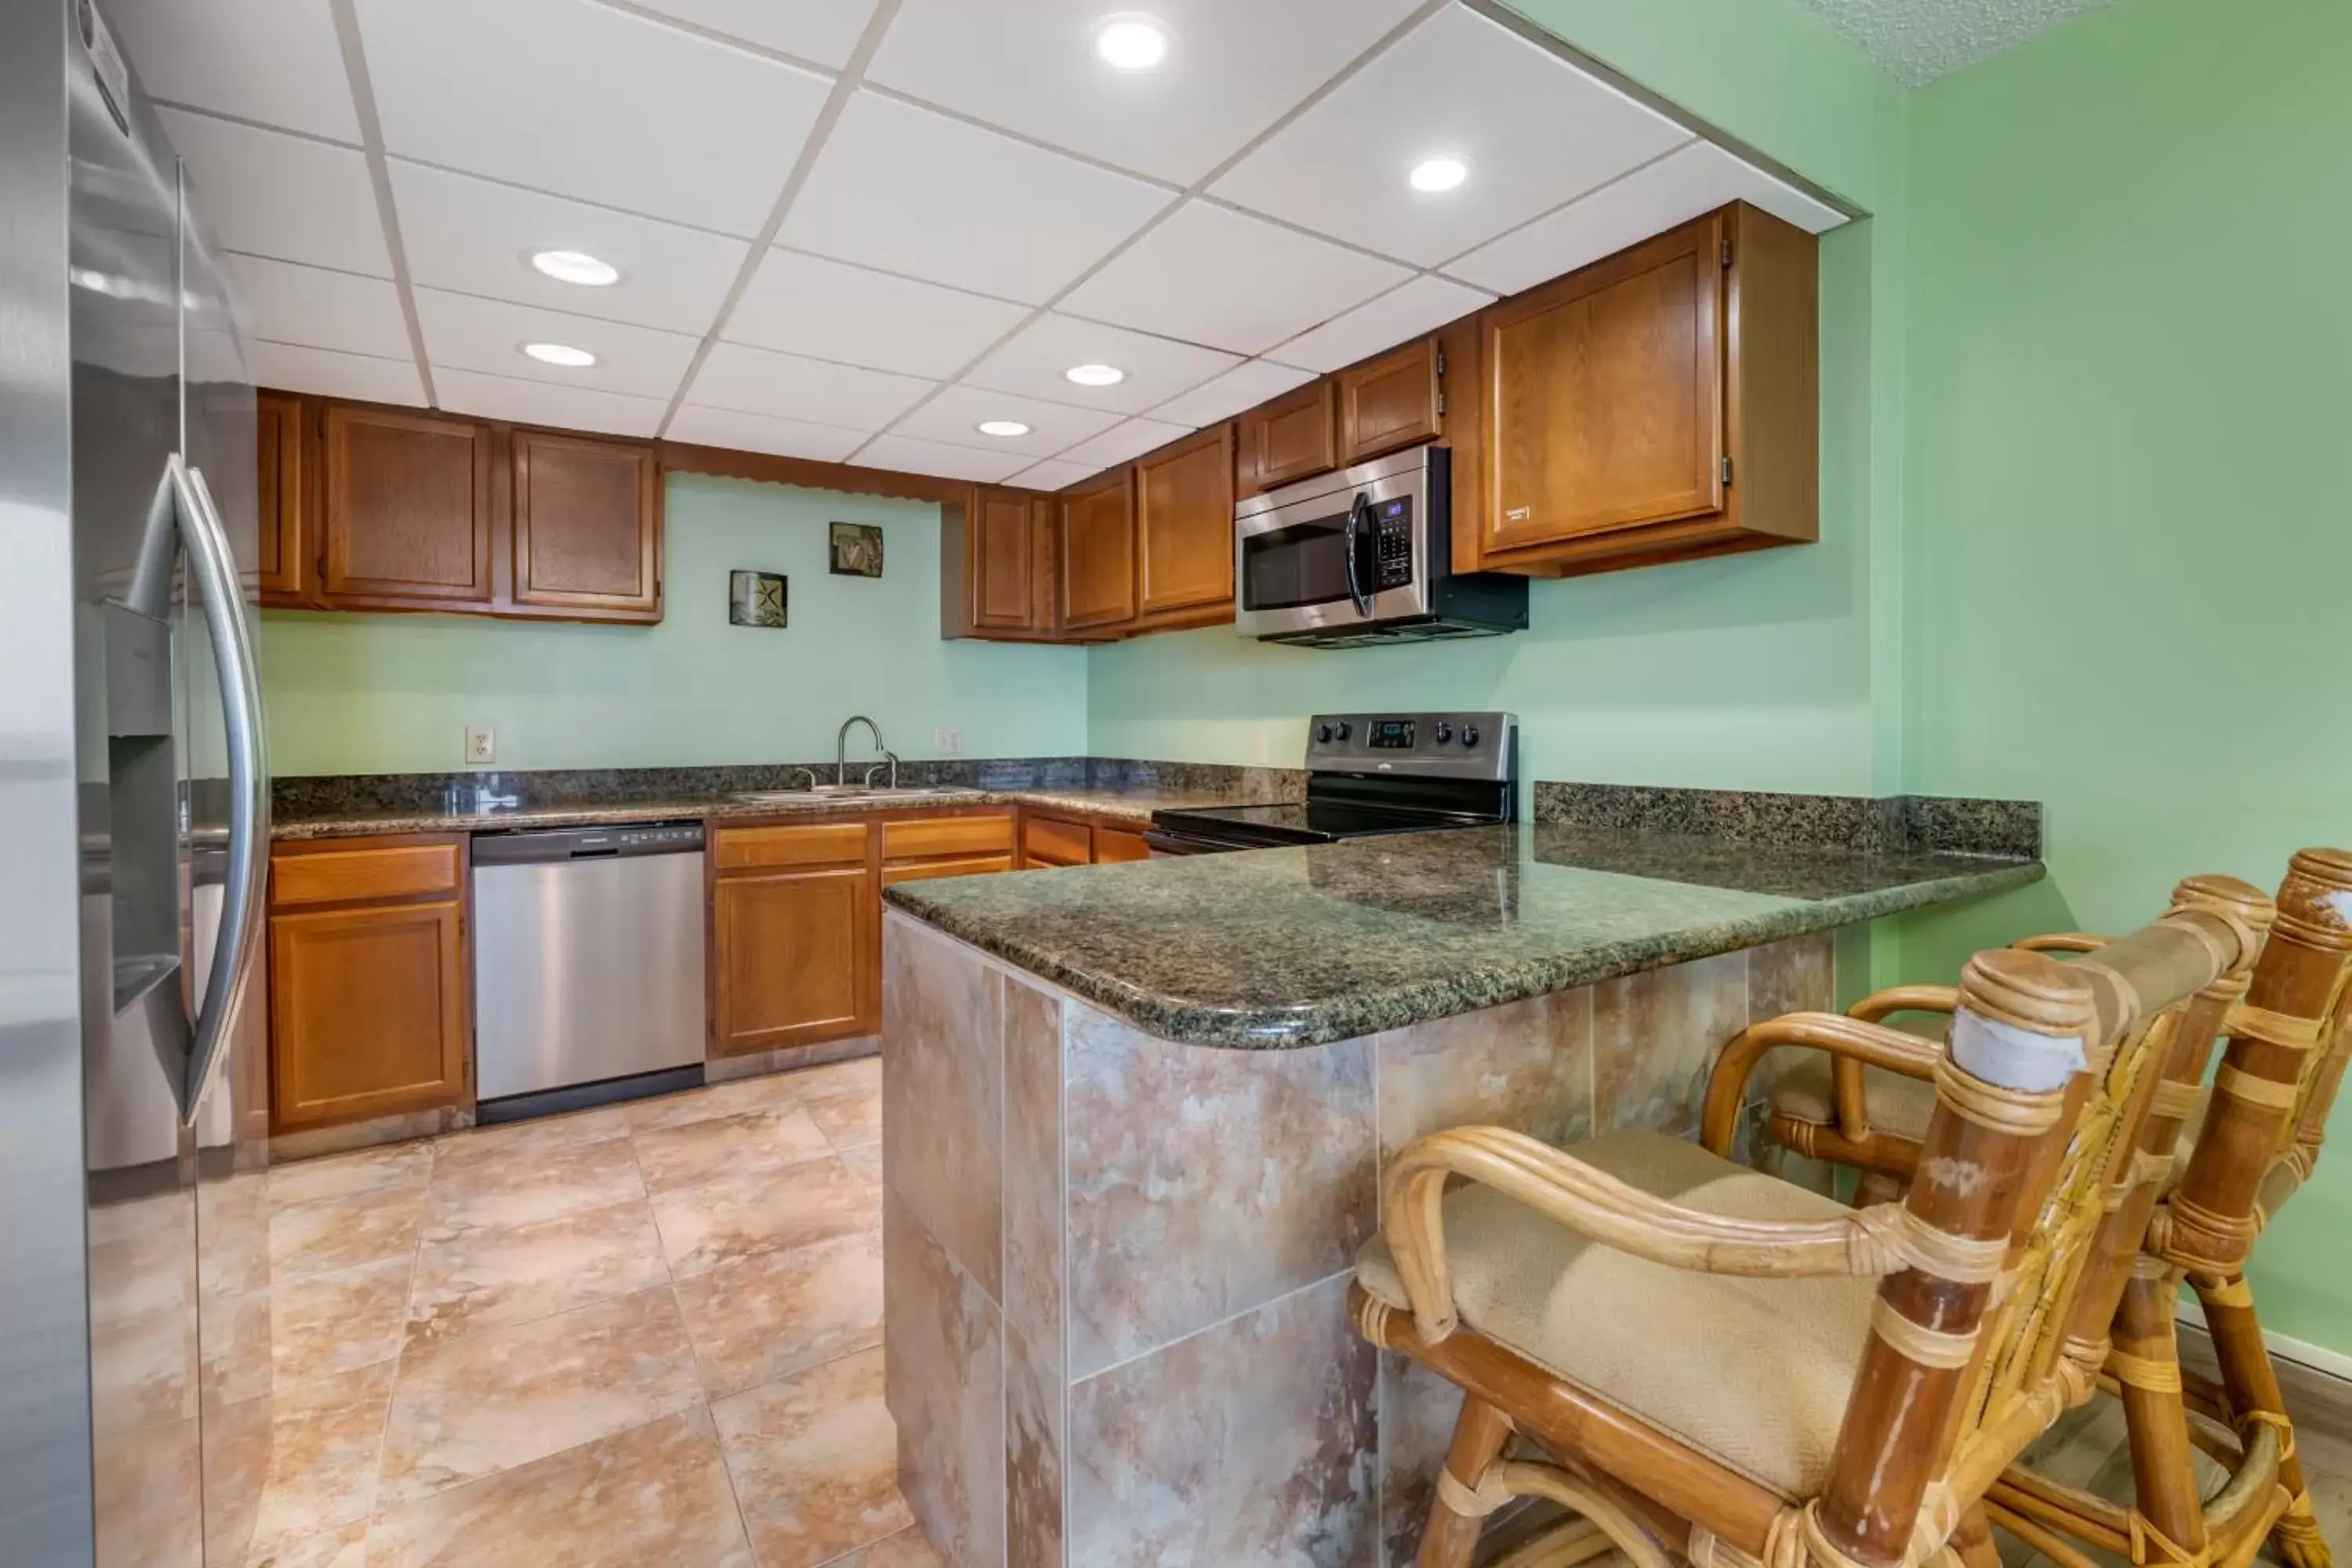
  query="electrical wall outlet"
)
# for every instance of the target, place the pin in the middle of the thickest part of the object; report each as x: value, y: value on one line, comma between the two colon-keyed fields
x: 947, y: 741
x: 482, y: 744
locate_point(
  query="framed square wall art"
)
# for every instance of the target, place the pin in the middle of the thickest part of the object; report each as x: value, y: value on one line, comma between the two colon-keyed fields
x: 756, y: 598
x: 856, y: 550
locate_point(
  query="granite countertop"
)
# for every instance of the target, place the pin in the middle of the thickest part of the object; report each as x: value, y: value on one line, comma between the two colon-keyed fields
x: 1130, y: 808
x: 1277, y: 948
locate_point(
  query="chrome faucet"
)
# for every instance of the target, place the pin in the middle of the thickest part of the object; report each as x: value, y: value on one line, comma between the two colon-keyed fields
x: 841, y: 746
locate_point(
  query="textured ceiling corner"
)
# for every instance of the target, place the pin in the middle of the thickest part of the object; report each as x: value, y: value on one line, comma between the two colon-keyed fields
x: 1916, y: 41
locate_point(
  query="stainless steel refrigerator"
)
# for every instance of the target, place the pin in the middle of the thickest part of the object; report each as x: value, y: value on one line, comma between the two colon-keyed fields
x: 134, y: 1355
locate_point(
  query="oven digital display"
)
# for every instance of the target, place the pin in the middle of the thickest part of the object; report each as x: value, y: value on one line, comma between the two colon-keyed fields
x: 1394, y: 735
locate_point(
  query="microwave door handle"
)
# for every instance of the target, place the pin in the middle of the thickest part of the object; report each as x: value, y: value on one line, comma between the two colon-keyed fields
x: 1360, y: 512
x: 212, y: 564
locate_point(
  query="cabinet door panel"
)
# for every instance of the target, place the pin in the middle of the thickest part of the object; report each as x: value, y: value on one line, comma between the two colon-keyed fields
x: 1003, y: 563
x: 923, y: 870
x: 1099, y: 555
x: 1289, y: 439
x: 285, y: 547
x: 1388, y: 402
x: 798, y: 958
x: 1047, y: 841
x: 587, y: 525
x: 367, y: 1012
x: 1185, y: 523
x: 1605, y: 395
x: 1113, y: 844
x: 407, y: 509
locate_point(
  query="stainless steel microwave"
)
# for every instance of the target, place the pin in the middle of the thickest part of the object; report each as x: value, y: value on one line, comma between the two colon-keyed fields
x: 1364, y: 557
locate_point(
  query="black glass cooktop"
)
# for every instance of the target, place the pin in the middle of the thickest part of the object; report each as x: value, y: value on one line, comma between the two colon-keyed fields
x: 1315, y: 822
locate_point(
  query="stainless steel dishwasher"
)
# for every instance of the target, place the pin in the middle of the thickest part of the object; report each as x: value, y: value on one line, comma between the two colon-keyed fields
x: 588, y: 978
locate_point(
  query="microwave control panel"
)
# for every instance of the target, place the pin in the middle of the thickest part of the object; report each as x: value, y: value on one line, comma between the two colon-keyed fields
x: 1392, y: 542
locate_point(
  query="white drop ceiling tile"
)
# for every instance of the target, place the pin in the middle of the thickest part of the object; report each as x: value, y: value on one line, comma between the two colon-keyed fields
x: 829, y: 309
x: 1210, y: 275
x: 588, y: 101
x: 1245, y: 386
x: 788, y: 386
x: 825, y: 31
x: 276, y: 61
x: 1673, y: 190
x: 909, y: 455
x: 1157, y: 368
x: 478, y: 238
x: 1054, y: 474
x: 918, y: 194
x: 1234, y: 67
x: 954, y: 415
x: 268, y: 193
x: 1535, y: 131
x: 757, y: 433
x: 489, y: 335
x: 539, y: 402
x: 291, y: 368
x: 320, y: 308
x: 1401, y: 314
x: 1124, y: 443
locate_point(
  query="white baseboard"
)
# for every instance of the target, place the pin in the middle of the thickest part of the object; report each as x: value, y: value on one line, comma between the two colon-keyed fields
x: 2317, y: 1358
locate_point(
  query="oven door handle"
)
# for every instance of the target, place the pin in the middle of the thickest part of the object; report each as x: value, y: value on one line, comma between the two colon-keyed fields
x: 1360, y: 512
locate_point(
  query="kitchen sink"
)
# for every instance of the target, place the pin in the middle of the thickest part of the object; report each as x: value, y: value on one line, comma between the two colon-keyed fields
x: 853, y: 792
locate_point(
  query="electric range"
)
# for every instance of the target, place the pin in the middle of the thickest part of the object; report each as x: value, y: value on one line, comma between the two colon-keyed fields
x: 1370, y: 774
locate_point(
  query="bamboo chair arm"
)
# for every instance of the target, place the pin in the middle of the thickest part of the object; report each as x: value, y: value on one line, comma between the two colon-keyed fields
x: 1554, y: 1184
x: 1858, y: 1040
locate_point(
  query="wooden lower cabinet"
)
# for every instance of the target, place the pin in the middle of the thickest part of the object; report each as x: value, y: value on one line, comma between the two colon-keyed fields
x: 368, y: 1015
x: 1054, y: 841
x: 798, y: 957
x: 1118, y: 844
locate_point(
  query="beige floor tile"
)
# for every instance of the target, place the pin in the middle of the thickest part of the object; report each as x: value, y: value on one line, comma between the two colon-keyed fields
x: 656, y: 1493
x: 323, y: 1439
x: 346, y: 1546
x: 734, y: 1216
x: 540, y: 1135
x: 502, y: 1275
x: 767, y: 1138
x: 335, y: 1234
x: 907, y: 1549
x: 347, y: 1176
x: 846, y: 1100
x: 774, y: 1313
x: 473, y: 1406
x: 527, y: 1182
x: 716, y: 1099
x: 815, y: 1460
x: 332, y: 1322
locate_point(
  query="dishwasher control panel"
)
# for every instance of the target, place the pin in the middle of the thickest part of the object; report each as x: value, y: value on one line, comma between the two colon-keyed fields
x: 688, y: 837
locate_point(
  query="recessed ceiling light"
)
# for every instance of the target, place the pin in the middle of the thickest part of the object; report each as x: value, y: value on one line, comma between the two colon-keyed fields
x: 563, y: 355
x: 1439, y: 174
x: 1131, y: 43
x: 1095, y: 375
x: 1006, y: 427
x: 576, y: 267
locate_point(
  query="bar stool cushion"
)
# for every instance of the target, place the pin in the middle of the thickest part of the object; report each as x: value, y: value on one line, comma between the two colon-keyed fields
x: 1753, y: 1371
x: 1900, y: 1106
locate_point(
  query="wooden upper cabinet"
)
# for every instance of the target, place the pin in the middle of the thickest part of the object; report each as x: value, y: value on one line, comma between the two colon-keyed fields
x: 1004, y: 562
x: 1289, y: 438
x: 287, y: 549
x: 1184, y: 524
x: 1664, y: 402
x: 1098, y: 565
x: 1389, y: 402
x: 587, y: 526
x: 406, y: 510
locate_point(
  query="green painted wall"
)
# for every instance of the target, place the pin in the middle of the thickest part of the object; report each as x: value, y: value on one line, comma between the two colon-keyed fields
x: 2130, y: 369
x: 394, y: 693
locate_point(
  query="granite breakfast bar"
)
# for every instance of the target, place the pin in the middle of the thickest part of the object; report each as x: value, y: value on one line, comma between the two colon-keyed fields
x: 1134, y: 1117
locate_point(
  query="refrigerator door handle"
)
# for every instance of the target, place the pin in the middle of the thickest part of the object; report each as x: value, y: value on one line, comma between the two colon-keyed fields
x: 212, y: 563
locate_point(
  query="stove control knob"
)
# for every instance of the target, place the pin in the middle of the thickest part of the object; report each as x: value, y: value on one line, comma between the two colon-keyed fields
x: 1445, y: 732
x: 1342, y: 729
x: 1323, y: 733
x: 1469, y: 734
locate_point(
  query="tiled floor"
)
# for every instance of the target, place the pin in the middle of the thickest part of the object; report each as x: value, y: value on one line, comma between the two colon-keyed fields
x: 643, y: 1334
